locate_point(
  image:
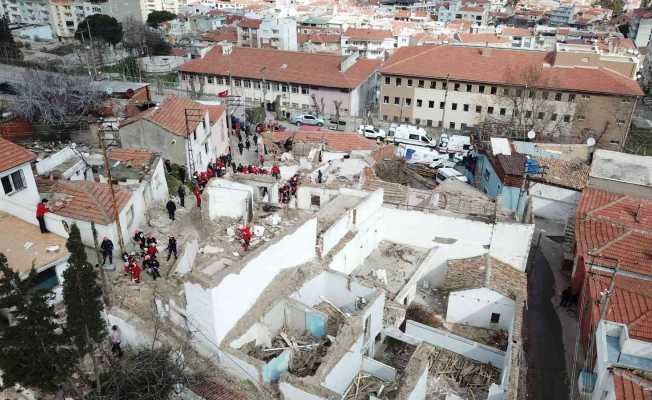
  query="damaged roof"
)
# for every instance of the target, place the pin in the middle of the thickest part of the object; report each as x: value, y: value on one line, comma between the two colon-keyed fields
x: 84, y: 200
x: 335, y: 141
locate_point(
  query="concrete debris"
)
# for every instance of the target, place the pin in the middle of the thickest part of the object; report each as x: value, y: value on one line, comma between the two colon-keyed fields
x: 208, y: 249
x: 335, y: 318
x: 285, y: 157
x: 258, y: 230
x: 472, y: 377
x: 273, y: 219
x: 364, y: 386
x: 306, y: 352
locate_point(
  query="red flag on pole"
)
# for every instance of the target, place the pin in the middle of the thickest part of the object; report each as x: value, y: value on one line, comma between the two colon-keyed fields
x: 223, y: 94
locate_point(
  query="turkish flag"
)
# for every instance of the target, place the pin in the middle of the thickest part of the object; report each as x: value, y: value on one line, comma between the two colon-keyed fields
x: 223, y: 94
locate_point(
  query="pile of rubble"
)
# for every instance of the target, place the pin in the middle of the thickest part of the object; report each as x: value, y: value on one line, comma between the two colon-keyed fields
x: 365, y: 386
x: 456, y: 371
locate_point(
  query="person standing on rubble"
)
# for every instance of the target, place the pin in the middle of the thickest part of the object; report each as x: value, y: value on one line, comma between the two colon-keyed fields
x: 197, y: 193
x: 41, y: 209
x: 182, y: 195
x: 172, y: 208
x: 116, y: 340
x: 246, y: 233
x: 240, y: 147
x: 107, y: 250
x: 172, y: 247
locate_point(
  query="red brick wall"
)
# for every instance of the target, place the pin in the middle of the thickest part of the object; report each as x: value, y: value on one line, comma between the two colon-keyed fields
x: 16, y: 129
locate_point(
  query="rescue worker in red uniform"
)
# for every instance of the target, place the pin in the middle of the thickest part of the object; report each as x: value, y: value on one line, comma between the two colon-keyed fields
x: 246, y: 233
x: 135, y: 273
x: 41, y: 209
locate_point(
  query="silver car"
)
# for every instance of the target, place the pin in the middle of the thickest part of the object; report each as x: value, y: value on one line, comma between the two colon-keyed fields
x: 306, y: 119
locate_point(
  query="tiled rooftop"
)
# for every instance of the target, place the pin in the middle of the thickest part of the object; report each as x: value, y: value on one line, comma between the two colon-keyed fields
x: 335, y: 141
x: 565, y: 173
x: 13, y: 155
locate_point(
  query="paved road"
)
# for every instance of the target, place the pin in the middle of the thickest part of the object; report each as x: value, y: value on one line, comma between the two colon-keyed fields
x: 545, y: 350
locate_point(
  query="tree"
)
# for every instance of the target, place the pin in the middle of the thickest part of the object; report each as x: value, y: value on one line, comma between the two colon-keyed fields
x: 82, y: 297
x: 8, y: 48
x: 148, y: 374
x: 141, y: 40
x: 156, y: 17
x: 102, y: 27
x: 33, y: 351
x: 56, y: 99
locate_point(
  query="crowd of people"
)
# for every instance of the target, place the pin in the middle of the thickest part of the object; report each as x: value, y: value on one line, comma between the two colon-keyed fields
x: 289, y: 189
x: 148, y: 255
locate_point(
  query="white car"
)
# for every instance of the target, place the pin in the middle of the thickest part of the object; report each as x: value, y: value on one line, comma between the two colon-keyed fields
x: 371, y: 132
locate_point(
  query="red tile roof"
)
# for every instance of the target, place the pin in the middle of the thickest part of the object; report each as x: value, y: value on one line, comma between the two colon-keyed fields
x: 283, y: 66
x: 629, y: 386
x: 318, y: 38
x: 473, y: 9
x: 85, y: 200
x: 171, y: 116
x: 607, y: 231
x: 335, y: 141
x: 511, y: 31
x: 630, y: 304
x: 481, y: 38
x: 13, y: 155
x: 249, y: 23
x: 368, y: 34
x: 179, y: 52
x: 505, y: 66
x: 137, y: 157
x: 226, y: 34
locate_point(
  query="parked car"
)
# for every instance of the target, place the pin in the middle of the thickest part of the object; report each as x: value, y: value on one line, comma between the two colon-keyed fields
x: 369, y: 131
x: 450, y: 173
x: 306, y: 119
x: 336, y: 125
x: 410, y: 134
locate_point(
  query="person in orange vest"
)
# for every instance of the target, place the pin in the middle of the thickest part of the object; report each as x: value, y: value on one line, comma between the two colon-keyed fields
x: 246, y: 237
x: 41, y: 209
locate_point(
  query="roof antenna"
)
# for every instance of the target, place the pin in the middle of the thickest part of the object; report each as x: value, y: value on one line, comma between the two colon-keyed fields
x: 639, y: 213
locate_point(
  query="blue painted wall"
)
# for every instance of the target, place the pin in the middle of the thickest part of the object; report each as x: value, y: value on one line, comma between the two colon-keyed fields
x: 489, y: 180
x: 276, y: 367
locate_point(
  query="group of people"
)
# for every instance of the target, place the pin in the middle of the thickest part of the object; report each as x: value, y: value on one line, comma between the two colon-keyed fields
x: 246, y: 143
x: 149, y: 252
x: 289, y: 189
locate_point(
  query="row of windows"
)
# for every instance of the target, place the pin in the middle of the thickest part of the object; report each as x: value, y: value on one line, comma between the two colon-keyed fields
x: 478, y: 109
x: 495, y: 90
x: 256, y: 84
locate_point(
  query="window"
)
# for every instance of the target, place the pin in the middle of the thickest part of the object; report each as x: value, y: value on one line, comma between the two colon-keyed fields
x: 395, y: 118
x: 386, y: 99
x: 295, y: 105
x: 414, y: 137
x: 478, y: 109
x: 444, y: 85
x: 441, y: 105
x: 553, y: 117
x: 206, y: 147
x: 580, y: 117
x: 257, y: 84
x: 469, y: 88
x: 503, y: 111
x: 295, y: 89
x: 490, y: 110
x: 566, y: 118
x: 466, y: 107
x: 237, y: 82
x: 462, y: 126
x: 456, y: 87
x: 481, y: 88
x: 421, y: 83
x: 557, y: 96
x: 409, y: 82
x: 275, y: 87
x: 544, y: 95
x: 451, y: 125
x: 384, y: 117
x: 417, y: 121
x: 428, y: 122
x: 398, y: 81
x: 304, y: 90
x: 419, y: 102
x: 495, y: 317
x: 620, y: 122
x: 13, y: 182
x: 433, y: 84
x: 494, y: 90
x: 454, y: 106
x: 431, y: 104
x: 406, y: 119
x: 315, y: 200
x: 530, y: 94
x: 528, y: 114
x: 397, y: 100
x: 387, y: 80
x: 284, y: 88
x: 486, y: 175
x: 519, y: 92
x: 571, y: 98
x: 541, y: 115
x: 246, y: 84
x: 586, y: 96
x: 211, y: 79
x: 408, y: 101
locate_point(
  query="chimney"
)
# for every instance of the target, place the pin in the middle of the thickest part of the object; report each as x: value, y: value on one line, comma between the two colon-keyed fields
x: 486, y: 50
x: 639, y: 213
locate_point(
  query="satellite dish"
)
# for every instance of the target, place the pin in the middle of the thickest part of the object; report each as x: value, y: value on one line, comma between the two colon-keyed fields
x: 590, y: 141
x: 109, y: 91
x: 531, y: 134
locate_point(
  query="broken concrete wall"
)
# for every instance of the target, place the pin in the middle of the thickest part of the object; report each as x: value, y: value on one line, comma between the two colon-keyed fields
x: 293, y: 388
x: 131, y: 328
x: 427, y: 230
x: 263, y: 331
x: 334, y: 287
x: 306, y: 193
x: 187, y: 259
x: 237, y: 292
x: 475, y: 307
x: 199, y: 311
x: 54, y: 160
x: 157, y: 187
x: 228, y: 199
x: 242, y: 366
x: 414, y: 382
x: 344, y: 371
x: 378, y: 369
x: 430, y: 263
x: 456, y: 344
x: 332, y: 236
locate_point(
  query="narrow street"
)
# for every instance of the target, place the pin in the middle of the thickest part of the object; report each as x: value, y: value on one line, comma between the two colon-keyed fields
x: 547, y: 377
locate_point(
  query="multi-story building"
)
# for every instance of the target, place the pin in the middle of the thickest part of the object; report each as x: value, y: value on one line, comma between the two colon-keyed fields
x: 563, y: 95
x: 458, y: 10
x: 26, y: 11
x: 367, y: 43
x: 293, y: 81
x: 248, y: 32
x: 320, y: 42
x: 65, y: 15
x: 640, y: 27
x: 562, y: 15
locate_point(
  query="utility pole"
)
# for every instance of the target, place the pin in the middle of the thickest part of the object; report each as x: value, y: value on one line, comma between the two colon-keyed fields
x: 443, y: 113
x: 116, y: 212
x: 90, y: 38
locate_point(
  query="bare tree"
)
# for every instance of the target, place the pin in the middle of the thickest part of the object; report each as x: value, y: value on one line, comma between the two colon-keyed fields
x: 56, y: 99
x: 318, y: 105
x: 337, y: 104
x: 195, y: 92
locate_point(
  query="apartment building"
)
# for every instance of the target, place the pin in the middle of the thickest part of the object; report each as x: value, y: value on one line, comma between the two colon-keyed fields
x: 562, y: 15
x: 287, y: 79
x: 563, y: 95
x: 367, y: 43
x: 26, y: 11
x: 65, y: 15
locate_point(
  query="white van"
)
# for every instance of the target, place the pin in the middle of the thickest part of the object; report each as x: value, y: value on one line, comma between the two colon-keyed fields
x: 449, y: 173
x: 409, y: 134
x: 454, y: 143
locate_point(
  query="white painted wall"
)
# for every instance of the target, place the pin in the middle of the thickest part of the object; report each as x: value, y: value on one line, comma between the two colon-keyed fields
x: 474, y: 307
x: 332, y: 286
x: 200, y: 311
x: 187, y: 259
x: 54, y: 160
x: 336, y: 232
x: 378, y: 369
x: 237, y: 292
x: 292, y: 392
x: 419, y: 392
x: 511, y: 242
x: 553, y: 203
x: 27, y: 197
x: 369, y: 234
x: 228, y: 199
x: 340, y: 377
